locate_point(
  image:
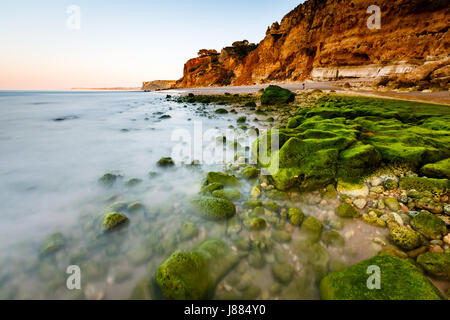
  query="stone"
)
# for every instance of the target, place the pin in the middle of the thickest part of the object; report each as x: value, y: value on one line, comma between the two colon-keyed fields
x: 51, y: 244
x: 296, y: 216
x: 313, y: 228
x: 429, y: 225
x: 113, y: 221
x: 360, y: 203
x: 188, y: 231
x: 376, y: 182
x: 212, y: 208
x: 436, y: 264
x: 165, y: 163
x: 392, y: 204
x: 283, y: 273
x: 404, y: 237
x: 346, y: 210
x: 193, y: 275
x: 401, y: 280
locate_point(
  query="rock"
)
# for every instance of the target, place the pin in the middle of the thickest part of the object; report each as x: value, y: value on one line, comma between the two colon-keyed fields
x: 226, y: 180
x: 372, y: 219
x: 429, y: 205
x: 403, y: 199
x: 255, y: 193
x: 251, y: 293
x: 353, y: 190
x: 447, y: 239
x: 329, y: 193
x: 447, y: 209
x: 257, y: 224
x: 281, y: 236
x: 376, y: 182
x: 394, y: 252
x: 108, y: 180
x: 296, y: 216
x: 273, y: 95
x: 378, y: 189
x: 250, y: 173
x: 251, y: 204
x: 210, y: 188
x: 283, y: 273
x: 381, y: 205
x: 346, y: 210
x: 212, y: 208
x: 221, y: 111
x: 272, y: 206
x: 188, y: 231
x: 193, y: 275
x: 51, y: 244
x: 135, y: 207
x: 133, y: 182
x: 313, y: 228
x: 113, y: 221
x: 439, y: 169
x: 360, y: 203
x: 429, y: 225
x: 404, y: 237
x: 436, y: 186
x: 256, y: 259
x: 392, y: 204
x: 400, y: 280
x: 416, y: 252
x: 333, y: 238
x: 390, y: 184
x: 435, y: 249
x: 229, y: 194
x: 165, y: 163
x: 435, y: 264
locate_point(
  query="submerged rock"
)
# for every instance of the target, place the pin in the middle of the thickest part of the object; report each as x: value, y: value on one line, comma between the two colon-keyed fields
x: 188, y: 231
x: 250, y: 173
x: 283, y: 272
x: 400, y: 280
x: 113, y: 221
x: 193, y: 275
x: 313, y: 228
x: 296, y: 216
x: 165, y: 163
x: 51, y: 244
x: 224, y: 179
x: 229, y: 194
x: 212, y: 208
x: 346, y: 210
x: 108, y: 180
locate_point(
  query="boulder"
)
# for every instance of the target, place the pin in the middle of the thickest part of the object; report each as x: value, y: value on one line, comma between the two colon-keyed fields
x: 429, y: 225
x: 212, y: 208
x: 276, y: 95
x: 436, y: 264
x: 400, y: 280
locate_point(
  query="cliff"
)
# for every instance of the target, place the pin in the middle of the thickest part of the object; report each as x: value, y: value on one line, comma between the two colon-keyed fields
x: 158, y: 85
x: 330, y: 39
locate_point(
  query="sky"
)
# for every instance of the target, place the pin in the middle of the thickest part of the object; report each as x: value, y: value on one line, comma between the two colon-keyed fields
x: 119, y: 42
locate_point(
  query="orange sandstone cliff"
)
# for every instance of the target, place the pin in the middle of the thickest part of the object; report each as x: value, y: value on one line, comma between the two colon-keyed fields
x: 330, y: 39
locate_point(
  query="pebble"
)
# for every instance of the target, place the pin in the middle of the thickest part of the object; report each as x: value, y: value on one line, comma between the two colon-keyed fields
x: 381, y: 204
x: 360, y: 203
x: 447, y: 209
x: 375, y: 182
x: 324, y: 203
x: 436, y: 242
x: 436, y: 249
x: 379, y: 189
x: 397, y: 218
x: 447, y: 239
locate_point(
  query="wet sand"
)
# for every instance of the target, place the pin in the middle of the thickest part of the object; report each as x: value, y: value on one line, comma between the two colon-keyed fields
x: 442, y: 97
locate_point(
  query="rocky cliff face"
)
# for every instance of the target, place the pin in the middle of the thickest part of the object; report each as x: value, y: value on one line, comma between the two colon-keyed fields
x: 330, y: 39
x: 158, y: 85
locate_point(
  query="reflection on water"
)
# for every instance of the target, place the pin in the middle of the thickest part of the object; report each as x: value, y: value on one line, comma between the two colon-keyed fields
x: 56, y: 145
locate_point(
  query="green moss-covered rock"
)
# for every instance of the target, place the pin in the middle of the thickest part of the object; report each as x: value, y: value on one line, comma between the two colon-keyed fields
x: 250, y: 173
x: 229, y: 194
x: 373, y: 219
x: 333, y: 238
x: 210, y: 188
x: 346, y: 210
x: 296, y: 216
x: 224, y: 179
x: 51, y: 244
x: 392, y: 204
x: 135, y: 207
x: 257, y: 224
x: 212, y: 208
x: 188, y: 231
x: 193, y: 275
x: 313, y: 228
x: 108, y: 180
x: 437, y: 186
x: 283, y: 272
x: 133, y: 182
x: 400, y: 280
x: 272, y: 206
x: 251, y: 204
x: 436, y: 264
x: 276, y: 95
x: 113, y: 221
x: 221, y: 111
x: 404, y: 237
x: 281, y: 236
x: 429, y: 225
x: 390, y: 184
x: 165, y: 163
x: 438, y: 170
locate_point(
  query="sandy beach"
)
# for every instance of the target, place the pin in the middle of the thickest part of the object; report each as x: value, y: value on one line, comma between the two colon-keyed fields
x: 440, y: 97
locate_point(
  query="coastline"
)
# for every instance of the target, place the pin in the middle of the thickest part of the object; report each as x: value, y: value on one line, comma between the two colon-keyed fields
x: 438, y: 97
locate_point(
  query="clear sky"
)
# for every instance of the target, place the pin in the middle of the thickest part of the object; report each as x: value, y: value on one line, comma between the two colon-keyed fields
x: 120, y: 42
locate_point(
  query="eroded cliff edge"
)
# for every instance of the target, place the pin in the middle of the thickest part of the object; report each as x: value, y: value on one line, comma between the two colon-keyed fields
x: 329, y: 40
